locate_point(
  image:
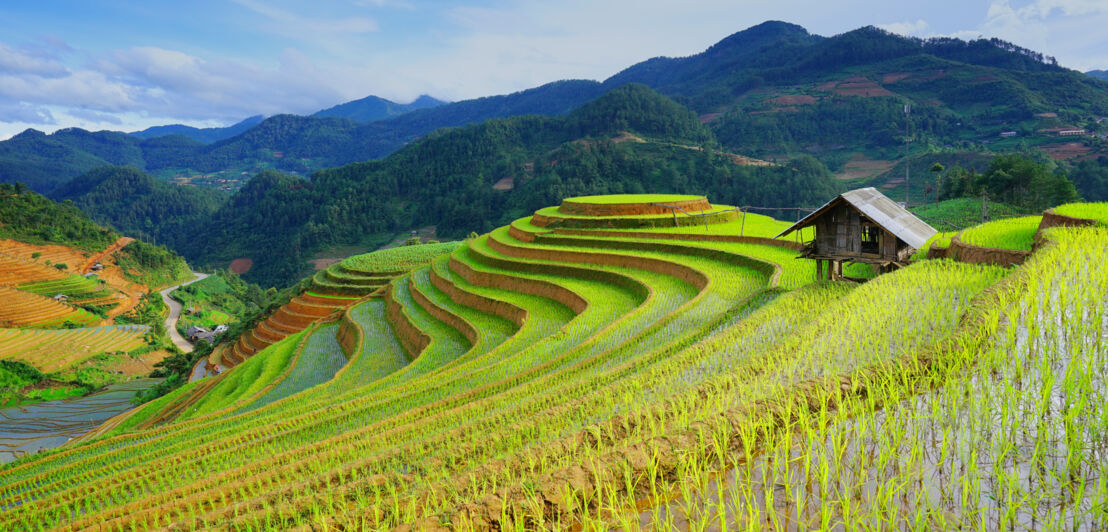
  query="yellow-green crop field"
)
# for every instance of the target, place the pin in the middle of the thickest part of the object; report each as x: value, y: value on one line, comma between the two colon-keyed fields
x: 593, y: 379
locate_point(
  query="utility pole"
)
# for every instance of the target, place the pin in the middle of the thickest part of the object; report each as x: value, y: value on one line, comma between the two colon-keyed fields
x: 907, y: 162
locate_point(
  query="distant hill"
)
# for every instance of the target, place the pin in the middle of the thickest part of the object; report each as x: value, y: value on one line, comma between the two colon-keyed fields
x: 1098, y: 74
x: 204, y: 135
x: 373, y: 108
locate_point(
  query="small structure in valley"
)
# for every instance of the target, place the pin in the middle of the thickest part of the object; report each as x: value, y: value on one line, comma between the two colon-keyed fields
x: 863, y: 226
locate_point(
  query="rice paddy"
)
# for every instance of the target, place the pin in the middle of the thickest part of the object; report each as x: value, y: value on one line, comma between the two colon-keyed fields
x: 543, y: 378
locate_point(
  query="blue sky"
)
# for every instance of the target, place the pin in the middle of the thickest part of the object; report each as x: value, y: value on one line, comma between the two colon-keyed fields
x: 126, y: 65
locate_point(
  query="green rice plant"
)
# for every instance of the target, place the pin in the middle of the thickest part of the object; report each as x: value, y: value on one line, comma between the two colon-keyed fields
x: 1006, y: 233
x: 245, y: 384
x: 1087, y: 211
x: 319, y: 360
x: 398, y: 259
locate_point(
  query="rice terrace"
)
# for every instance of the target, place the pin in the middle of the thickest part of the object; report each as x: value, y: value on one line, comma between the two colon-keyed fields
x: 538, y: 266
x: 599, y: 366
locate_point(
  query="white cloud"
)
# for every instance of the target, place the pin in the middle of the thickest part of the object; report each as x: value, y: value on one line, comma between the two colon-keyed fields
x: 12, y: 112
x: 906, y: 28
x: 21, y: 62
x: 1071, y: 30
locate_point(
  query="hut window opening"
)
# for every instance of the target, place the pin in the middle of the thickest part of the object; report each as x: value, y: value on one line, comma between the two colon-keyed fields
x: 871, y: 238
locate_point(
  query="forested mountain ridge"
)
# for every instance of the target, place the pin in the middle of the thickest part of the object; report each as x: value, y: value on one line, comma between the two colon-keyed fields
x: 474, y: 178
x: 772, y: 90
x: 136, y: 204
x: 1098, y: 74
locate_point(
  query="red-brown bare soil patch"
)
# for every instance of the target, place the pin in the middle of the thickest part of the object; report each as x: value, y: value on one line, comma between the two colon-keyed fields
x: 795, y: 99
x: 242, y: 265
x: 1066, y: 151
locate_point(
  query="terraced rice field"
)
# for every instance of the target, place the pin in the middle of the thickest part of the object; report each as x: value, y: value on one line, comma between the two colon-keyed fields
x: 24, y: 309
x: 1006, y: 233
x: 55, y: 350
x: 533, y: 379
x: 14, y: 271
x: 78, y: 290
x: 333, y: 289
x: 27, y: 429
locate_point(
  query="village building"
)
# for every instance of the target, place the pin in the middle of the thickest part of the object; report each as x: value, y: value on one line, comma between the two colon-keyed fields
x: 1008, y: 134
x: 61, y: 297
x: 861, y: 226
x: 1071, y: 133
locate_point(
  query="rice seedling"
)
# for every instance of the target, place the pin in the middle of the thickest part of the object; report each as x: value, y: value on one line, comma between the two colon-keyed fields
x: 1006, y: 233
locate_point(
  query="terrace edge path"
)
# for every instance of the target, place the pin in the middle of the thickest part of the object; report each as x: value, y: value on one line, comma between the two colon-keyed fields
x: 175, y: 313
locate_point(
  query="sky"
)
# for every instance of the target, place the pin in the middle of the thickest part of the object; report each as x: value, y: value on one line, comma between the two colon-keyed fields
x: 127, y: 65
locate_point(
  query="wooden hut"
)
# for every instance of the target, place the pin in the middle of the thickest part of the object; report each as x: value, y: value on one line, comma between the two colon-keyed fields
x: 862, y: 226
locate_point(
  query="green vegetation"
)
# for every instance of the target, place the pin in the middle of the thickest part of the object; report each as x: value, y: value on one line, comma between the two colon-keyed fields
x: 960, y: 213
x: 32, y: 218
x: 150, y: 265
x: 220, y: 299
x: 1087, y: 211
x: 1007, y: 233
x: 253, y: 377
x: 138, y: 205
x: 398, y: 259
x: 1012, y: 179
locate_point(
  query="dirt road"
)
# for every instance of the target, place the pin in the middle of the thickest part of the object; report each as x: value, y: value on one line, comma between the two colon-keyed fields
x: 175, y: 314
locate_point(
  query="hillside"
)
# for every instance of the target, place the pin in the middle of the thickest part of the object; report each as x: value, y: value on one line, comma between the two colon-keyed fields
x: 136, y: 204
x: 472, y: 178
x: 72, y: 302
x: 580, y: 369
x: 373, y: 108
x: 1098, y: 74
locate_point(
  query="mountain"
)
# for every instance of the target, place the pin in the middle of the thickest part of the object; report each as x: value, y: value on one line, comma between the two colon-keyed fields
x: 372, y: 108
x: 290, y: 143
x: 775, y: 89
x: 1098, y: 74
x: 473, y: 178
x: 44, y: 161
x: 136, y: 204
x: 204, y: 135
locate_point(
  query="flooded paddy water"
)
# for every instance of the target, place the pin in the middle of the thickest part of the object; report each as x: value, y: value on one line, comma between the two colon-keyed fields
x: 30, y: 428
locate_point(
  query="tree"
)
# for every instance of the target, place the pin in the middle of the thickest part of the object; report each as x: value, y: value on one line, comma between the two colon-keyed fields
x: 938, y: 169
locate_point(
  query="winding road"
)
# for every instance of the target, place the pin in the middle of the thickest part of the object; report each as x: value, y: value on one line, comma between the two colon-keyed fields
x: 175, y: 314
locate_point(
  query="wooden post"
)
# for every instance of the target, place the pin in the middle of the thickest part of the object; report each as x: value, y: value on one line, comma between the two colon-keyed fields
x: 742, y: 227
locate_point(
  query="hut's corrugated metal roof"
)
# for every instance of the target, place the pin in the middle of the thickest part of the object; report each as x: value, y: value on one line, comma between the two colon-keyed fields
x: 882, y: 211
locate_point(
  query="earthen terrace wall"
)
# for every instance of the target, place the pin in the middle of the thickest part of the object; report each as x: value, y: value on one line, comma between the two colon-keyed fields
x: 496, y: 307
x: 413, y: 340
x: 630, y: 209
